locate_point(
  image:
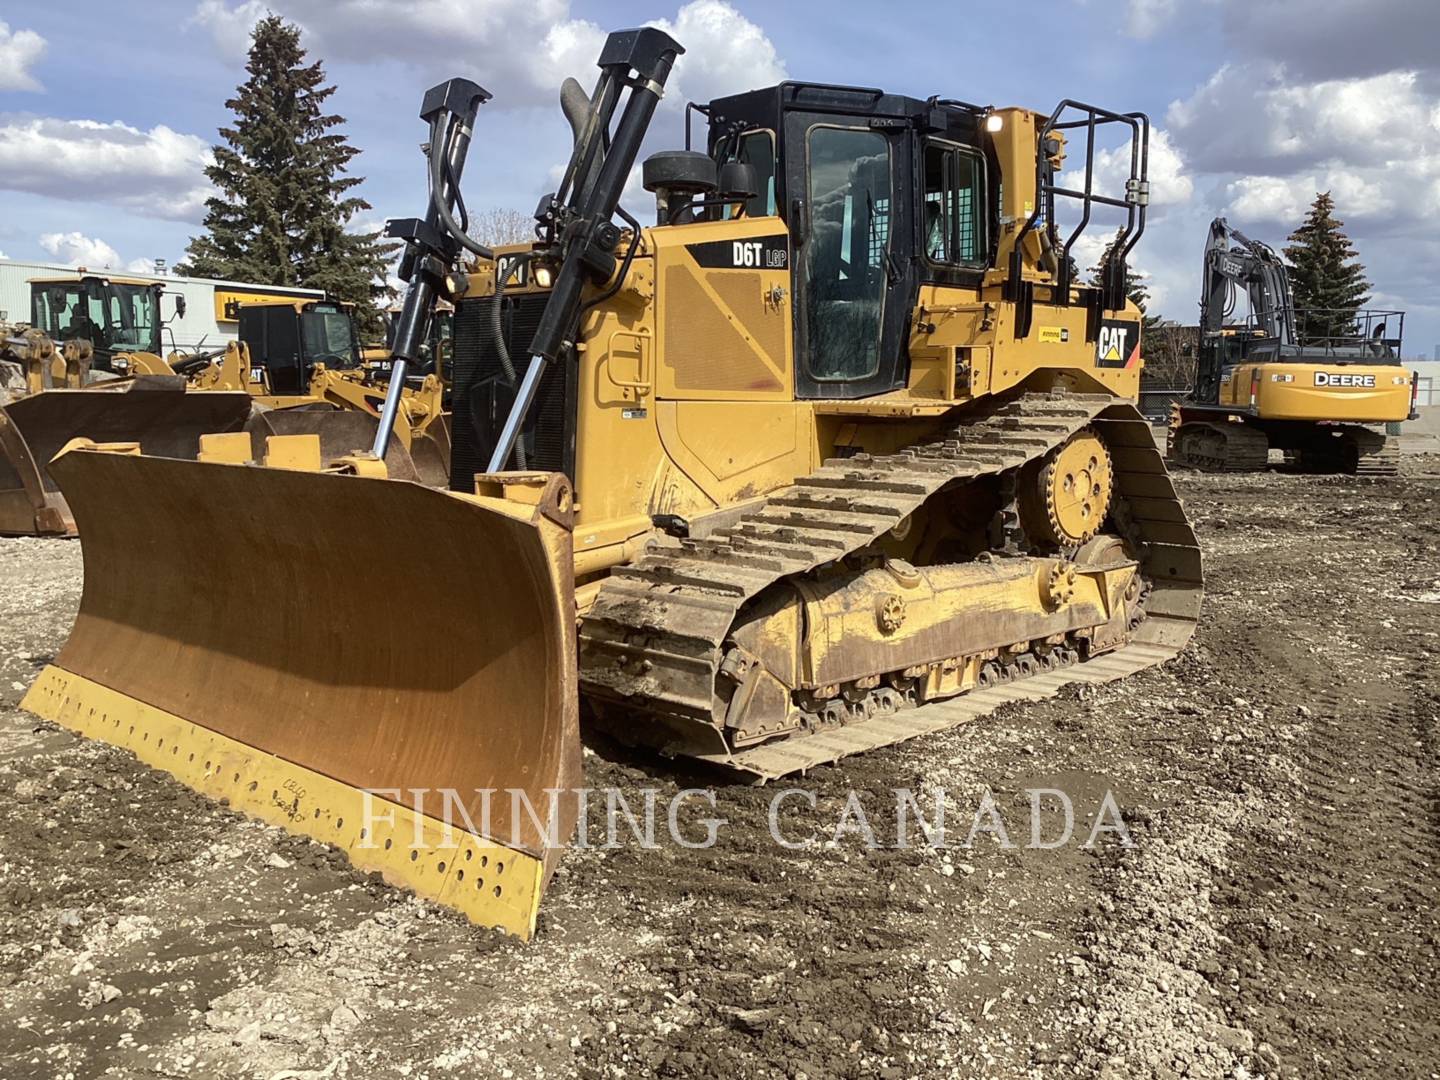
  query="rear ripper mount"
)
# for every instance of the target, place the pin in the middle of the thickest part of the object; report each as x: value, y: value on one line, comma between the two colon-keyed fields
x: 661, y: 632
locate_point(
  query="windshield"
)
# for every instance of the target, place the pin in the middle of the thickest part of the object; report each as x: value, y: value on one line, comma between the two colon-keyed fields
x: 134, y: 318
x: 328, y: 338
x: 113, y: 318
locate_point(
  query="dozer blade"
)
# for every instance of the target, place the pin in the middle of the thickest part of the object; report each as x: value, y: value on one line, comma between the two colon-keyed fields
x: 158, y: 413
x: 357, y: 660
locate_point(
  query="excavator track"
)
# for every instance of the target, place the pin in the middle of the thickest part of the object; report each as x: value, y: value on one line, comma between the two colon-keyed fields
x: 1350, y: 449
x: 1381, y: 461
x: 1219, y: 446
x: 654, y: 640
x: 1370, y: 453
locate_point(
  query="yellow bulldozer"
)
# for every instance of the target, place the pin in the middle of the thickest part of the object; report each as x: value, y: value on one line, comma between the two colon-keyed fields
x: 51, y: 394
x: 833, y: 455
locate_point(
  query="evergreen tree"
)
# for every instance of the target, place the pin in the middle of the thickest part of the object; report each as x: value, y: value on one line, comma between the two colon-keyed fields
x: 1328, y: 283
x: 285, y: 194
x: 1135, y: 288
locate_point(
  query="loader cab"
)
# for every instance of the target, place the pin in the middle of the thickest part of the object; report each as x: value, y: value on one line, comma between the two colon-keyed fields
x: 287, y: 340
x: 116, y: 315
x: 877, y: 194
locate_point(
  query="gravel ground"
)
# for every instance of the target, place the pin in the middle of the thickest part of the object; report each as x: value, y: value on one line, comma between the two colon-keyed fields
x: 1273, y: 914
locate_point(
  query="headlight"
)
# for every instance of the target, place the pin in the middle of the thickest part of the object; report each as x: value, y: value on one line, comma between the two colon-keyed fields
x: 543, y: 277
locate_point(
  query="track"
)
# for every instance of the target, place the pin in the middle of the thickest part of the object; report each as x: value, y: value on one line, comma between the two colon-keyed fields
x: 1219, y: 447
x: 655, y: 637
x: 1377, y: 456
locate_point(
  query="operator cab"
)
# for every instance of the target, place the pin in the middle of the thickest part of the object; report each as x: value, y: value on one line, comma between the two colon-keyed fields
x: 879, y: 194
x: 286, y: 341
x: 116, y: 315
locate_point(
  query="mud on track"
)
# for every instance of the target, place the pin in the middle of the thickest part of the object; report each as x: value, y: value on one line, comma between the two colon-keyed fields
x: 1276, y: 914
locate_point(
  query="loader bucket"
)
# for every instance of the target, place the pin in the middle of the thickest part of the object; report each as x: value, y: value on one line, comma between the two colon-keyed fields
x: 367, y: 662
x: 157, y: 413
x: 346, y: 431
x: 430, y: 450
x: 341, y: 431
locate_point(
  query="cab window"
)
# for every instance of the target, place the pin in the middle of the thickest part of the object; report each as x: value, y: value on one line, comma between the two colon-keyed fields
x: 952, y: 224
x: 326, y: 337
x: 847, y: 253
x: 757, y: 149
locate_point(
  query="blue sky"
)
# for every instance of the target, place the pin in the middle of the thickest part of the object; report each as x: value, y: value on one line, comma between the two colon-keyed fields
x: 1257, y: 104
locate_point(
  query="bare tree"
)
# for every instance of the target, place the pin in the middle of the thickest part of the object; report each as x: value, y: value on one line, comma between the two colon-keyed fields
x: 1169, y: 352
x: 501, y: 225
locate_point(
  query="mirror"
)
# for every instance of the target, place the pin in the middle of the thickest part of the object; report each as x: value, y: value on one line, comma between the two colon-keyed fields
x: 180, y: 307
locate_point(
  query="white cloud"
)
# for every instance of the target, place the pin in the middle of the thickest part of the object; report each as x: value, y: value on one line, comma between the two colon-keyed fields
x: 158, y: 173
x: 725, y: 53
x: 20, y: 50
x: 1253, y: 116
x: 1373, y: 142
x: 230, y: 27
x: 77, y: 249
x: 1170, y: 182
x: 1320, y: 95
x: 1171, y: 191
x: 521, y: 50
x: 1146, y: 18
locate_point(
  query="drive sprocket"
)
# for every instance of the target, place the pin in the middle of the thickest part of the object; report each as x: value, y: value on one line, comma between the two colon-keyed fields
x: 1065, y: 495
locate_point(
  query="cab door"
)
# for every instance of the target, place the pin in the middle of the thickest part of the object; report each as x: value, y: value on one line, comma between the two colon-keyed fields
x: 847, y: 207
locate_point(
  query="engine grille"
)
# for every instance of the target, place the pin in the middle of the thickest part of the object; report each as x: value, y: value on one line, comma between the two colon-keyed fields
x: 483, y: 394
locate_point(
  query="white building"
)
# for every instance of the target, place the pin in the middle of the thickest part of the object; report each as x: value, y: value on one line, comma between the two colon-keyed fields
x: 211, y: 307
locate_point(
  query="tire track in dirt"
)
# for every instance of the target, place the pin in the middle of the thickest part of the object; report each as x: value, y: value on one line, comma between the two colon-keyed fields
x: 1330, y: 911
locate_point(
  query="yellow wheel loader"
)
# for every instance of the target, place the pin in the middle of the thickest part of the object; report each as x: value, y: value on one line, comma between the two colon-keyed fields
x: 1314, y: 384
x: 833, y: 455
x: 51, y: 400
x: 304, y: 375
x: 302, y: 364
